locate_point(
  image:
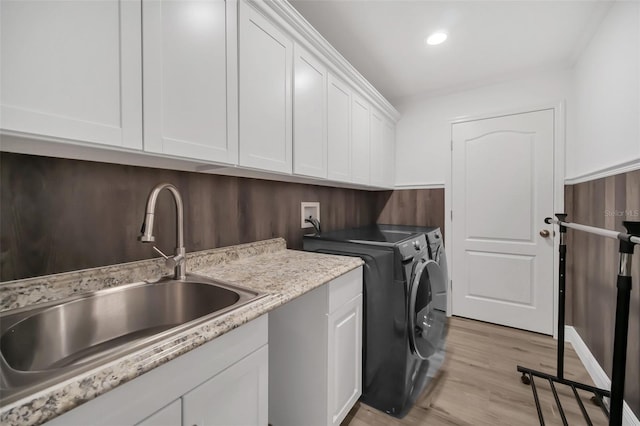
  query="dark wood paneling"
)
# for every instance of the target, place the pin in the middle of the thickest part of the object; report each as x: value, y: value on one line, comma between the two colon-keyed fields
x: 422, y: 207
x: 592, y: 268
x: 60, y: 215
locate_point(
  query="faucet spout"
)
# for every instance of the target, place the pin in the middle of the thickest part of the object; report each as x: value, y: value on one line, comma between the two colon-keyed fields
x: 147, y: 227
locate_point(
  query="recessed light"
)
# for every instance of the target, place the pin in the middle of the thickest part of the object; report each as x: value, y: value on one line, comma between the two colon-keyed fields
x: 436, y: 38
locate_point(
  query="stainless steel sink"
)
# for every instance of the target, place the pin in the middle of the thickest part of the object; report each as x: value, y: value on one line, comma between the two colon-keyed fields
x: 52, y: 342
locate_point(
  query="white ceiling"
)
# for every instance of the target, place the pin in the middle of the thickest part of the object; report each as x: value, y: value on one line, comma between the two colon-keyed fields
x: 488, y: 40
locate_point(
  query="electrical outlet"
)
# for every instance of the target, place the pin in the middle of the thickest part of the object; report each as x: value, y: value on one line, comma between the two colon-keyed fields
x: 309, y: 209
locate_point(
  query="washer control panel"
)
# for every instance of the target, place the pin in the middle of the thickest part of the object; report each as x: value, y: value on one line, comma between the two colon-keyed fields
x: 434, y: 238
x: 411, y: 247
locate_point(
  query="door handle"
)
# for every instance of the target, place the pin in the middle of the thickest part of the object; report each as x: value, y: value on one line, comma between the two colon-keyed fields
x: 545, y: 233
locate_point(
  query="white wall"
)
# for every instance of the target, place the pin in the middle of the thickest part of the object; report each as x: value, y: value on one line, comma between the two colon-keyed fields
x: 602, y: 94
x: 424, y: 131
x: 606, y: 111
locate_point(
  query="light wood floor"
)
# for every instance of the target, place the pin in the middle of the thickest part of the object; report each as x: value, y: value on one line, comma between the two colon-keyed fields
x: 479, y: 384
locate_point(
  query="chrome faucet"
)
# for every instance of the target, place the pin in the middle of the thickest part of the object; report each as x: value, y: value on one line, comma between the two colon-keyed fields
x: 178, y: 262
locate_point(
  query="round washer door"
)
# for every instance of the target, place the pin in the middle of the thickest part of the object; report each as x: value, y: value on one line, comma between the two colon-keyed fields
x: 426, y: 324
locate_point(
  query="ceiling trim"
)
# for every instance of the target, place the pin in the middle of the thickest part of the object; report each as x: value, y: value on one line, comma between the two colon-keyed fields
x: 305, y: 31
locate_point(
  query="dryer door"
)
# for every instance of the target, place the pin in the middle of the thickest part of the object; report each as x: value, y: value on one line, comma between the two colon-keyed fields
x: 440, y: 293
x: 427, y: 325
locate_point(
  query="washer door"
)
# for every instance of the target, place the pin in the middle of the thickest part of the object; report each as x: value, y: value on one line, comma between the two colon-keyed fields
x: 426, y: 323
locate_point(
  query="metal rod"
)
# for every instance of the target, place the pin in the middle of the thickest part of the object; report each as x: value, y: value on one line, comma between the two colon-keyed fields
x: 598, y: 231
x: 578, y: 385
x: 537, y: 401
x: 560, y: 410
x: 581, y: 405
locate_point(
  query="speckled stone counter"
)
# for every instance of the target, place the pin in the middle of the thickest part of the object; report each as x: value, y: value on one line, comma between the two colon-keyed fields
x: 265, y: 266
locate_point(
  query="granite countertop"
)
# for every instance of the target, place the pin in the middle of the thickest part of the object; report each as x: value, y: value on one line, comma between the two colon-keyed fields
x: 264, y: 266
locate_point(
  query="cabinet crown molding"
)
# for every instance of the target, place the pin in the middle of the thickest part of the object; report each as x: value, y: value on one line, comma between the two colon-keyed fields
x: 305, y: 34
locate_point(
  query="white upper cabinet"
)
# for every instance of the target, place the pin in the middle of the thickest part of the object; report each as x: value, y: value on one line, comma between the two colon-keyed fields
x: 190, y: 84
x: 241, y: 83
x: 360, y: 140
x: 309, y: 115
x: 377, y: 154
x: 72, y: 70
x: 389, y: 163
x: 266, y: 68
x: 338, y: 130
x: 382, y: 150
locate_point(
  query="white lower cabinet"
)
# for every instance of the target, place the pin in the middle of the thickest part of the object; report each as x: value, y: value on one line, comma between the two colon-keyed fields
x: 171, y: 415
x: 344, y: 352
x: 234, y: 397
x: 315, y: 354
x: 223, y: 382
x: 309, y: 373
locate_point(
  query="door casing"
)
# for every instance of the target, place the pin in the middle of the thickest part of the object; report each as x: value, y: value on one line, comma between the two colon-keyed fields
x: 558, y: 108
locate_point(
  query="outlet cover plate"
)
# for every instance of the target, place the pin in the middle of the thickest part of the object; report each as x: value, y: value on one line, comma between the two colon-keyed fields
x: 309, y: 208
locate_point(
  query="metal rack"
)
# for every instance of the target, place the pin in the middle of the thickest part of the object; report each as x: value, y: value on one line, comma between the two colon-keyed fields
x: 627, y: 243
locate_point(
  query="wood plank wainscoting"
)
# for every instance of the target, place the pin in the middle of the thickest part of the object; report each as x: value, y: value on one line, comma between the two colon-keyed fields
x: 413, y: 207
x: 592, y: 265
x: 60, y: 215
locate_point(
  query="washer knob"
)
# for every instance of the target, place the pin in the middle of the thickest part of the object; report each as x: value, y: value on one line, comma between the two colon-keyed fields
x: 416, y: 245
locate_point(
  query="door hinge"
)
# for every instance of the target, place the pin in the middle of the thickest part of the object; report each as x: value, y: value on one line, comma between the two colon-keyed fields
x: 452, y: 215
x: 451, y: 285
x: 451, y: 144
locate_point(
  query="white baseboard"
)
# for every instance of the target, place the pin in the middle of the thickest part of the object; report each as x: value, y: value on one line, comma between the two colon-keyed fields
x: 596, y: 372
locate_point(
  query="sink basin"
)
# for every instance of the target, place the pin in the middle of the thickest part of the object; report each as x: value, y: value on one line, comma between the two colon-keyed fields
x: 60, y: 339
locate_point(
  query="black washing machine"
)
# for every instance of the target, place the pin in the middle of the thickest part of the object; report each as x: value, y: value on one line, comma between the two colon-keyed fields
x: 405, y: 299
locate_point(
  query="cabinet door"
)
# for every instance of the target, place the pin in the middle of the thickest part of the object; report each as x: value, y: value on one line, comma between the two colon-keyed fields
x: 171, y: 415
x: 236, y: 396
x: 188, y: 81
x: 389, y: 140
x: 359, y: 140
x: 266, y: 67
x: 72, y: 70
x: 378, y: 152
x: 344, y: 359
x: 338, y: 130
x: 309, y: 113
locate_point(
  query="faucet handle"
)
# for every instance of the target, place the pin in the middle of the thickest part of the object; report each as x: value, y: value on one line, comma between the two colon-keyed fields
x: 170, y: 261
x: 161, y: 253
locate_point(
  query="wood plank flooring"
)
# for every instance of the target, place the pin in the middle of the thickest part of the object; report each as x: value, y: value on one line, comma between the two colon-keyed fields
x: 479, y: 384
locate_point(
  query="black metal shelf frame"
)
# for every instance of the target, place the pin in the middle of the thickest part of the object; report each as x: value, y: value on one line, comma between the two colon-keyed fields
x: 627, y: 243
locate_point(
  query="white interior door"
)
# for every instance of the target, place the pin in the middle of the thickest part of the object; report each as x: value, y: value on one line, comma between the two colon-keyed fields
x: 502, y: 188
